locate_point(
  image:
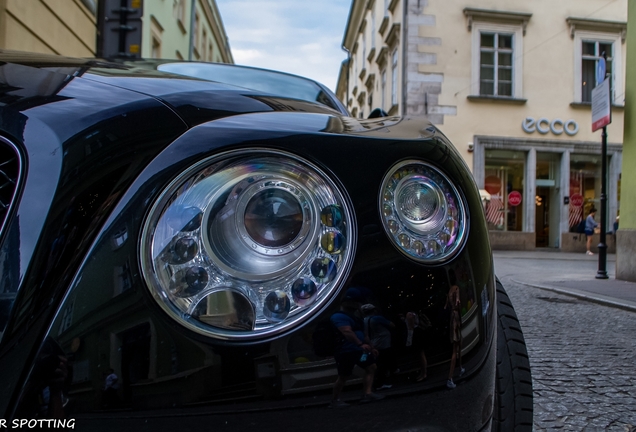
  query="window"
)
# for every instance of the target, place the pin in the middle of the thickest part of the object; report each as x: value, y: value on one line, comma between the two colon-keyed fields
x: 589, y: 51
x: 383, y: 90
x: 156, y: 32
x: 495, y: 64
x: 364, y: 47
x: 67, y: 317
x: 155, y: 51
x: 179, y: 13
x: 373, y: 29
x: 591, y: 39
x: 204, y: 45
x: 394, y: 76
x: 210, y: 50
x: 195, y: 34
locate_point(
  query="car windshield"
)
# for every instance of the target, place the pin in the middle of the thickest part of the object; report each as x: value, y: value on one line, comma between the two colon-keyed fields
x: 277, y: 83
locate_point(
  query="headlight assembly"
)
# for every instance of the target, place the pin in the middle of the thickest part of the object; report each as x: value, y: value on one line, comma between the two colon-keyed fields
x: 422, y: 212
x: 247, y: 244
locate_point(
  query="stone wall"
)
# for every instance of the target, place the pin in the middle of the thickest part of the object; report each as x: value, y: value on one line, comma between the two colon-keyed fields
x: 626, y: 254
x: 575, y: 242
x: 511, y: 240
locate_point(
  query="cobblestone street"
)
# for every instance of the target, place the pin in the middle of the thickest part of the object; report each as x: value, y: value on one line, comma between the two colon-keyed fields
x: 583, y: 359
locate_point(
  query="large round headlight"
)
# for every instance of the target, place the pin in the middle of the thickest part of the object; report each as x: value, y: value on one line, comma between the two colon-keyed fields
x: 422, y: 212
x: 247, y: 244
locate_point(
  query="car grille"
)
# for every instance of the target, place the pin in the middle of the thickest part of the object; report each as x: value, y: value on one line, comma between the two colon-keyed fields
x: 10, y: 167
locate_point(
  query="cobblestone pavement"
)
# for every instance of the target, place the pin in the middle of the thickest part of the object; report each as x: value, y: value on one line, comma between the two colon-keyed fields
x: 583, y: 360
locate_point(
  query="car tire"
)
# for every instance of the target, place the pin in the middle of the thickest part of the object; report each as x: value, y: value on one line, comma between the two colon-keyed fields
x: 513, y: 388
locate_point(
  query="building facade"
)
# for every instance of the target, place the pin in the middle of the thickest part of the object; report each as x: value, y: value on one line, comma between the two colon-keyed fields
x: 509, y: 82
x: 49, y: 26
x: 170, y: 29
x: 184, y: 30
x: 626, y: 234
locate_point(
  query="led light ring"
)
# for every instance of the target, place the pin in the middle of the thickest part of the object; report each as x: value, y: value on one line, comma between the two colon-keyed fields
x: 325, y: 195
x: 419, y: 241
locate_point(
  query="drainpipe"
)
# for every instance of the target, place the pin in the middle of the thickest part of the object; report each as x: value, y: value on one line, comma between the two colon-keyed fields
x: 192, y: 13
x: 346, y: 101
x: 405, y: 31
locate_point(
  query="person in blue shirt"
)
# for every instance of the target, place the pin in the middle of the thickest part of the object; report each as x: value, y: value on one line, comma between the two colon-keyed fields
x: 590, y: 224
x: 377, y: 329
x: 354, y: 350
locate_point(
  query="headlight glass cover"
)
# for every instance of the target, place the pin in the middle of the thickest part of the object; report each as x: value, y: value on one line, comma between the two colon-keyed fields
x: 422, y: 212
x: 247, y: 244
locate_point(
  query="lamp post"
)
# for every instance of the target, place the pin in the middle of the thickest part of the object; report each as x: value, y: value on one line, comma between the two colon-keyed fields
x: 602, y: 116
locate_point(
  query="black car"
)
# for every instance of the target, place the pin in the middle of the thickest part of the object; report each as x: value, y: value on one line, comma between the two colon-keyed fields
x: 187, y: 246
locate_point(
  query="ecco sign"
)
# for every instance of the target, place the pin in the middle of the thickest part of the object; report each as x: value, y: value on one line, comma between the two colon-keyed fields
x: 544, y: 125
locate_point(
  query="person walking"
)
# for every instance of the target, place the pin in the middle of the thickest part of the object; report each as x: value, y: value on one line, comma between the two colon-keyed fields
x: 415, y: 343
x: 377, y: 329
x: 354, y: 350
x: 590, y: 225
x: 453, y: 303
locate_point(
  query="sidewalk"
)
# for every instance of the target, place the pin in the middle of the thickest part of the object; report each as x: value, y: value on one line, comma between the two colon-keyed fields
x: 566, y: 273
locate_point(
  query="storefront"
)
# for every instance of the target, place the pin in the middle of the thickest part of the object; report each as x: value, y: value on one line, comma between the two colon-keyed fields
x: 540, y: 187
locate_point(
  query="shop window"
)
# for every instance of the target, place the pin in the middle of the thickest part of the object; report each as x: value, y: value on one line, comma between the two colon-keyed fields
x: 504, y: 175
x: 585, y: 187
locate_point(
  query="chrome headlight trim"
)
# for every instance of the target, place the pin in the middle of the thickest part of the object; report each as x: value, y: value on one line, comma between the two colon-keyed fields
x: 422, y: 212
x: 302, y: 271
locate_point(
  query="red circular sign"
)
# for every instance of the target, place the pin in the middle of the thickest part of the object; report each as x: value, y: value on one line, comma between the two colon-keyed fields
x: 576, y: 200
x: 514, y: 198
x: 493, y: 184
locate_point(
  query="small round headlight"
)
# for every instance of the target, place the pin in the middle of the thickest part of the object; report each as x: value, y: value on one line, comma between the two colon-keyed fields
x: 422, y: 212
x: 247, y: 244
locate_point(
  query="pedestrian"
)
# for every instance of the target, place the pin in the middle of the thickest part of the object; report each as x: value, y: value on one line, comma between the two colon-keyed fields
x: 354, y: 349
x: 616, y: 224
x: 111, y: 384
x: 454, y: 303
x: 415, y: 343
x: 590, y: 225
x: 377, y: 329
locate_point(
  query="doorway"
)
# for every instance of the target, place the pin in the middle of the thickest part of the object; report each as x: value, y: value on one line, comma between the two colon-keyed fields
x: 542, y: 217
x: 547, y: 211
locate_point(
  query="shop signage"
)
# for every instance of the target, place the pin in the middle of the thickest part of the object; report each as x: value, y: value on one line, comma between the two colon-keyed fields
x: 493, y: 184
x: 544, y: 125
x: 576, y: 200
x: 601, y: 106
x: 514, y: 198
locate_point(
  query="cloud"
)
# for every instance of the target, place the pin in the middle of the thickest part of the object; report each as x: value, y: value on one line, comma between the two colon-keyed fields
x: 247, y: 56
x: 302, y: 37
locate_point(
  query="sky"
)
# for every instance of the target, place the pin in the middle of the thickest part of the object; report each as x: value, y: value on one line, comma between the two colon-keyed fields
x: 303, y: 37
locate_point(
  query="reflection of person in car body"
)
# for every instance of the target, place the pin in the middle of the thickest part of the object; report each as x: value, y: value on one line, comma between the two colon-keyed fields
x: 454, y: 303
x: 414, y: 343
x: 354, y: 350
x: 377, y: 329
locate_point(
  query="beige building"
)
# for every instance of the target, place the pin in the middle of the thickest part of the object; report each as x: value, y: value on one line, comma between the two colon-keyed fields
x: 509, y: 82
x: 66, y: 27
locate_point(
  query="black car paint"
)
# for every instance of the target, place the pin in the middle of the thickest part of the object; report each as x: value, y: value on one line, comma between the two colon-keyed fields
x: 66, y: 252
